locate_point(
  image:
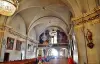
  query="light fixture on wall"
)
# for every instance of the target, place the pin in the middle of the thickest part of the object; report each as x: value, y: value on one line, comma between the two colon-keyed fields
x: 8, y: 7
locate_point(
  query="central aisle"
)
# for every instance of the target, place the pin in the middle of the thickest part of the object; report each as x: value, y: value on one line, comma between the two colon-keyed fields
x: 57, y: 61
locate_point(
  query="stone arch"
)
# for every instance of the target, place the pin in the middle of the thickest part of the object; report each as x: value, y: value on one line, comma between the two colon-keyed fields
x: 45, y: 22
x: 63, y: 52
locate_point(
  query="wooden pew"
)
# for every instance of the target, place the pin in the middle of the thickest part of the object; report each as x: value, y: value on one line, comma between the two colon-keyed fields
x: 26, y: 61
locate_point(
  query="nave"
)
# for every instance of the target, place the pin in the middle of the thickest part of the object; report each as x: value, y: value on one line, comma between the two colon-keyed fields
x: 59, y: 31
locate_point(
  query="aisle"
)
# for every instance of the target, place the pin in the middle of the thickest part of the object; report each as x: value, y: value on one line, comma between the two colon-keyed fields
x: 57, y: 61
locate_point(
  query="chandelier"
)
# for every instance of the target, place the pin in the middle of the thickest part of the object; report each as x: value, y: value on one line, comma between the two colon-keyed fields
x: 8, y: 7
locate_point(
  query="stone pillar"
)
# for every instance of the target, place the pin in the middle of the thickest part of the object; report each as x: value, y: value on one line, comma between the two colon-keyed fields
x: 2, y: 19
x: 91, y: 22
x: 1, y: 39
x: 82, y: 49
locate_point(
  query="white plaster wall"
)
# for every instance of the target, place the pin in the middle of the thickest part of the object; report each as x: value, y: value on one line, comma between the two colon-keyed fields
x: 30, y: 53
x: 32, y: 34
x: 14, y: 54
x: 39, y: 29
x: 18, y: 24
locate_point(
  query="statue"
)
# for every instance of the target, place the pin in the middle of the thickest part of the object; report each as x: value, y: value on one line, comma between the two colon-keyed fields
x: 89, y: 39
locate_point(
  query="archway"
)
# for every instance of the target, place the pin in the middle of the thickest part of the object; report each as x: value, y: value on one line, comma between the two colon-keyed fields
x: 63, y: 52
x: 52, y: 52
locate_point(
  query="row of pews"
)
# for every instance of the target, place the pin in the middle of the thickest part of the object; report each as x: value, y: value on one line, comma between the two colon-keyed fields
x: 26, y: 61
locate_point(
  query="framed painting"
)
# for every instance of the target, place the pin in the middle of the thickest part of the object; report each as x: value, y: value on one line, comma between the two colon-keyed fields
x: 18, y: 45
x: 10, y: 43
x: 29, y: 47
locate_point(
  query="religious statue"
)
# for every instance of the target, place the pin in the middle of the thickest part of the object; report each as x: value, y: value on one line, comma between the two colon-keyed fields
x: 89, y: 38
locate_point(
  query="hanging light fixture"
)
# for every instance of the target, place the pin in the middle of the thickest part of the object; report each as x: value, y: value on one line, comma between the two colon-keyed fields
x: 8, y: 7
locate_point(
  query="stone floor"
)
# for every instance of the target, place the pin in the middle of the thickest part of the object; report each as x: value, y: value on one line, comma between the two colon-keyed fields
x: 57, y: 61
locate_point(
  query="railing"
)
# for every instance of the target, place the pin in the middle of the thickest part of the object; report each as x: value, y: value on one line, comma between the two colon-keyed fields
x: 54, y: 45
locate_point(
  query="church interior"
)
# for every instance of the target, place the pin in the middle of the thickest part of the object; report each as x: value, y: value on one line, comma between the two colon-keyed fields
x: 49, y: 31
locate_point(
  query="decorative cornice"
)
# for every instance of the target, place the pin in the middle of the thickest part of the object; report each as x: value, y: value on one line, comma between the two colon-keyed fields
x: 88, y: 18
x: 12, y: 31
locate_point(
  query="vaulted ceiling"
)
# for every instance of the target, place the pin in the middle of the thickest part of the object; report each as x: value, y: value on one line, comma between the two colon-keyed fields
x: 33, y: 10
x: 58, y: 8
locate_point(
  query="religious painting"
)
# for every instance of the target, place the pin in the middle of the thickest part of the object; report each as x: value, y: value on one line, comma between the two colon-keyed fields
x: 18, y: 45
x: 29, y: 47
x: 10, y: 43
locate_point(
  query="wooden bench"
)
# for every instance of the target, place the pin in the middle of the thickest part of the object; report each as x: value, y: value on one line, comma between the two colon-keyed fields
x: 26, y: 61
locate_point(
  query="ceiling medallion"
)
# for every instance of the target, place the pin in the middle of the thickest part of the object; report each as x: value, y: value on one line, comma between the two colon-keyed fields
x: 8, y: 7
